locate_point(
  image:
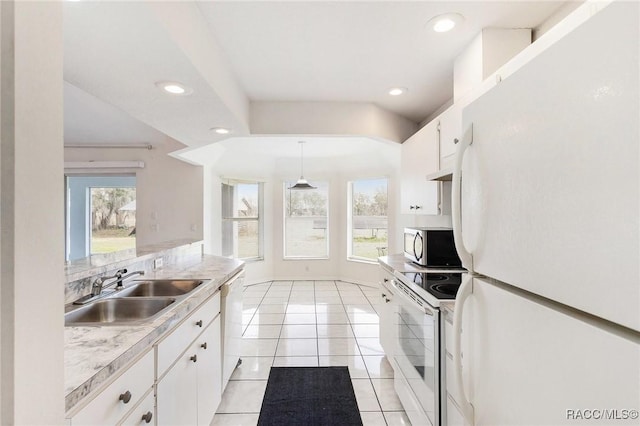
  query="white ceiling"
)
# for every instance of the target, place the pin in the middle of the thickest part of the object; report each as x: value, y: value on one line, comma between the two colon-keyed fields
x: 356, y: 51
x: 232, y: 52
x: 89, y: 120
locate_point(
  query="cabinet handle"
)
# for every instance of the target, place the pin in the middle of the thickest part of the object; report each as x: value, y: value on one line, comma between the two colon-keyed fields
x: 125, y: 397
x: 386, y: 280
x: 387, y: 300
x: 204, y: 346
x: 456, y: 140
x: 418, y: 207
x: 147, y: 417
x: 384, y: 296
x: 412, y: 207
x: 199, y: 323
x: 194, y: 358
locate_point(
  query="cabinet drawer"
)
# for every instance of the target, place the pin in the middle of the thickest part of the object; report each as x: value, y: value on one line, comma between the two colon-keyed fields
x: 175, y: 343
x: 143, y: 412
x: 107, y: 407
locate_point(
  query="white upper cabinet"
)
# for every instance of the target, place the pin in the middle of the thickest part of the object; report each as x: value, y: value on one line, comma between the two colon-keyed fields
x: 419, y: 157
x: 450, y: 130
x: 491, y: 49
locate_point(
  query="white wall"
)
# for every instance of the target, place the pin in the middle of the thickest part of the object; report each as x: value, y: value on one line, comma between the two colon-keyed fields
x: 31, y: 185
x: 169, y: 192
x: 329, y: 118
x: 381, y: 161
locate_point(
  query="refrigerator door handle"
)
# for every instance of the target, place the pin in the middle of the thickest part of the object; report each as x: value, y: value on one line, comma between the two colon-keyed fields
x: 456, y: 200
x: 465, y: 290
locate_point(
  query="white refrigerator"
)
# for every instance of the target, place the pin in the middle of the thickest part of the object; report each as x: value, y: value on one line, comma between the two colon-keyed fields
x: 546, y: 214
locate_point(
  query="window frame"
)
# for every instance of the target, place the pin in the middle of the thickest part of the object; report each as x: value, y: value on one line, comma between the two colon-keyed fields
x: 285, y: 192
x: 350, y: 256
x: 238, y: 219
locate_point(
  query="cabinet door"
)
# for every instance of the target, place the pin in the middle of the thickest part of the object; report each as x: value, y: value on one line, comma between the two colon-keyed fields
x: 387, y: 326
x: 177, y: 393
x: 450, y: 130
x: 419, y: 157
x: 143, y: 414
x: 209, y: 367
x: 119, y: 397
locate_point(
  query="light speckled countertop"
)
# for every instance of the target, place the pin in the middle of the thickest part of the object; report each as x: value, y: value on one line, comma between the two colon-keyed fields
x: 93, y: 354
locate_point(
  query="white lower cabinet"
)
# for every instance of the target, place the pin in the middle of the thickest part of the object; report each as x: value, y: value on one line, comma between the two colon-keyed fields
x: 177, y: 393
x: 209, y: 381
x: 186, y: 368
x: 114, y: 403
x: 142, y: 414
x: 386, y: 313
x: 189, y: 392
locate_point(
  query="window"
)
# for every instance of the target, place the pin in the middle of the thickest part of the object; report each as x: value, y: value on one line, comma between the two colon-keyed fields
x: 306, y: 222
x: 100, y: 214
x: 367, y: 219
x: 242, y: 227
x: 113, y: 219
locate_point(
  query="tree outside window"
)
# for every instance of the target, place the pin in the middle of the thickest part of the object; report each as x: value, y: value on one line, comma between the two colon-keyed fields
x: 306, y: 230
x: 113, y: 219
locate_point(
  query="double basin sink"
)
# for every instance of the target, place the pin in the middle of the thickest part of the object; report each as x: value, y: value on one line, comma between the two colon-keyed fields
x: 142, y: 301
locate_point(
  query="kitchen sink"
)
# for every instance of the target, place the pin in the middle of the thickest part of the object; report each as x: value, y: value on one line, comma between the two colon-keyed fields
x: 159, y: 288
x: 117, y: 311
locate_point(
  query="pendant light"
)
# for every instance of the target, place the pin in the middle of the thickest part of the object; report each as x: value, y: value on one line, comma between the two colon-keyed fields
x: 302, y: 182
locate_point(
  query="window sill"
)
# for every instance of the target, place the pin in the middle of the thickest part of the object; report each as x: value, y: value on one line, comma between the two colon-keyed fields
x: 305, y: 258
x: 361, y: 260
x: 252, y: 259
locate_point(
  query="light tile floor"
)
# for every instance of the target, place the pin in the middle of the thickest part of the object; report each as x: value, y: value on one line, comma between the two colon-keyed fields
x: 311, y: 323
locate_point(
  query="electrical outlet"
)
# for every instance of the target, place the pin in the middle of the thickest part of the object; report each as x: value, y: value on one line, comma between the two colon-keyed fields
x: 157, y: 263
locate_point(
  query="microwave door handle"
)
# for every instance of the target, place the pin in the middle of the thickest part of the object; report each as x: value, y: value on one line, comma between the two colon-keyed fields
x: 456, y: 200
x: 415, y: 252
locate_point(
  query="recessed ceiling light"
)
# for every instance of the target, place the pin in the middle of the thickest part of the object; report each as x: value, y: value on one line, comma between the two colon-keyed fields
x: 174, y: 87
x: 221, y: 130
x: 446, y: 22
x: 397, y: 91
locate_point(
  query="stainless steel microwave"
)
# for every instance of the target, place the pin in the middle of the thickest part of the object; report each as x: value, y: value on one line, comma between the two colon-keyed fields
x: 431, y: 247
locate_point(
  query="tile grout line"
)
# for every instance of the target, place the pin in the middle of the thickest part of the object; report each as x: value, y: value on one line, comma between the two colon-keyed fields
x: 349, y: 322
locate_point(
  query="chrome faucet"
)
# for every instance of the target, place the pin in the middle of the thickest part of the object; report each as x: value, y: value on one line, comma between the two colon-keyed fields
x: 119, y: 281
x: 98, y: 285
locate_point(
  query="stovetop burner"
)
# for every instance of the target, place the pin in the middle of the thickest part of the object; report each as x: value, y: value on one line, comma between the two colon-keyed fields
x: 443, y: 286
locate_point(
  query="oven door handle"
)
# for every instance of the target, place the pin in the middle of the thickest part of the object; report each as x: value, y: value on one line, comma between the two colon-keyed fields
x: 402, y: 295
x: 464, y: 291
